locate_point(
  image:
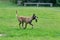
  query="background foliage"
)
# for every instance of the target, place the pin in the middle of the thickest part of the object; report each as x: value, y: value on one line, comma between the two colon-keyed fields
x: 55, y: 2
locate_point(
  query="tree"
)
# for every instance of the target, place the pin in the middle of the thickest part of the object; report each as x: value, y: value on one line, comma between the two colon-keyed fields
x: 58, y: 1
x: 53, y: 1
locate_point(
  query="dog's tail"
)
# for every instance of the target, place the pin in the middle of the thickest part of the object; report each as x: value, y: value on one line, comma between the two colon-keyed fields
x: 16, y: 13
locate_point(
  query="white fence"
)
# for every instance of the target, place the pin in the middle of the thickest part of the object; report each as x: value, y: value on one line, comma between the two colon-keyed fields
x: 25, y: 4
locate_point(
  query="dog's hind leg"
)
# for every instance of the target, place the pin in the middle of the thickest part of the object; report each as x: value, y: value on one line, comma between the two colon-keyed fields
x: 25, y: 26
x: 22, y: 24
x: 19, y: 24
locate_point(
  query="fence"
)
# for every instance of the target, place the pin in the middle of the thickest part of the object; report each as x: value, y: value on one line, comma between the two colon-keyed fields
x: 25, y: 4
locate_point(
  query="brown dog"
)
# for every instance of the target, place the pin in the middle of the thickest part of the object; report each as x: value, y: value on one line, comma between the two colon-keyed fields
x: 26, y: 20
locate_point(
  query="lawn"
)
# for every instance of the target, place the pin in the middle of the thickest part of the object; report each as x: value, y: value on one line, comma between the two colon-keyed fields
x: 47, y: 27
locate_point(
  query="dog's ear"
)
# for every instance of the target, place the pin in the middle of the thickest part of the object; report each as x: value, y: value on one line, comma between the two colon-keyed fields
x: 34, y: 14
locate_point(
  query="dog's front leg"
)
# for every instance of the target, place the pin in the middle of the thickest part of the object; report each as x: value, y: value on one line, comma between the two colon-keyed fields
x: 31, y: 24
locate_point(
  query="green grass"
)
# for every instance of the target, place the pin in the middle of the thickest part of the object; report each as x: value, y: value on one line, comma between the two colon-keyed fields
x: 47, y: 27
x: 4, y: 4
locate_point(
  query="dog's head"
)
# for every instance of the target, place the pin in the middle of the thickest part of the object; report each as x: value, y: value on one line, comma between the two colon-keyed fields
x: 34, y: 17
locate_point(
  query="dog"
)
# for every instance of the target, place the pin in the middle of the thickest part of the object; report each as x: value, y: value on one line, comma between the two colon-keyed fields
x: 26, y: 20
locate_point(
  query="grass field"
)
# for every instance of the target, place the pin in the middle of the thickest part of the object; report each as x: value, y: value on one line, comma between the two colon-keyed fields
x: 47, y: 27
